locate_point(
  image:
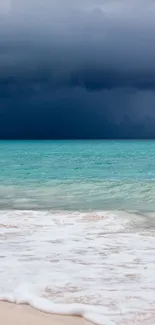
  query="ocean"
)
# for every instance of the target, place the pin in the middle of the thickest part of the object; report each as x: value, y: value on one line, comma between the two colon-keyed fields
x: 77, y: 228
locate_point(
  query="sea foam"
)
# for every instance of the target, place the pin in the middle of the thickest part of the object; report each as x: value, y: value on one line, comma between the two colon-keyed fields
x: 91, y: 313
x: 98, y: 265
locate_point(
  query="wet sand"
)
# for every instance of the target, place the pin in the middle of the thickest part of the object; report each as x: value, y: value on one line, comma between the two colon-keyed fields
x: 11, y: 314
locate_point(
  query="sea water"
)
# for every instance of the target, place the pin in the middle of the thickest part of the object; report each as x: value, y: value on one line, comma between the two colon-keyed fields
x: 77, y: 228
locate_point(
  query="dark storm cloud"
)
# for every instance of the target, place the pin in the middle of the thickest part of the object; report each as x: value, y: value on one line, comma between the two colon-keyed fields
x: 77, y: 69
x: 92, y: 44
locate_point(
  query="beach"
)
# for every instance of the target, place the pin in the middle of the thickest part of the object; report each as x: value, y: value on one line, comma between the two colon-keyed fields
x: 77, y: 233
x: 11, y: 314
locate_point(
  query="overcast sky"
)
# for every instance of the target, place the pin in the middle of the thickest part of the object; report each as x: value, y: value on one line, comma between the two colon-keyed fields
x: 77, y: 69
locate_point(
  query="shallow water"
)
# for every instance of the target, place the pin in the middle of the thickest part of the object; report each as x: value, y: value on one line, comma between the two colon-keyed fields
x: 81, y: 175
x: 73, y: 230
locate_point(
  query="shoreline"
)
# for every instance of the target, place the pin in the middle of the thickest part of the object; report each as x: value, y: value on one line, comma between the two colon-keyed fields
x: 12, y: 314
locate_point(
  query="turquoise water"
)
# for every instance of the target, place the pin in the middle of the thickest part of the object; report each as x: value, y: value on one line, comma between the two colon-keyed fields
x: 77, y: 175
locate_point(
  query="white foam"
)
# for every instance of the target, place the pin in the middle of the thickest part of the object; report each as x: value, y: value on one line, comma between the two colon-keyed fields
x: 58, y: 260
x: 90, y: 313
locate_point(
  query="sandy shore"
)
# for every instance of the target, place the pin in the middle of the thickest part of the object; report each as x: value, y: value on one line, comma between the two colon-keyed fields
x: 11, y: 314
